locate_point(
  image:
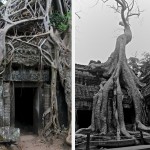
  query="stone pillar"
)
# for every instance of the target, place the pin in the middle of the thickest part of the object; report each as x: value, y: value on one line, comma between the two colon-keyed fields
x: 1, y: 105
x: 46, y: 96
x: 6, y: 98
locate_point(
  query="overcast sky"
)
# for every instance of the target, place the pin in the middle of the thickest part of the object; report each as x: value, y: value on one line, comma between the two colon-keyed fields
x: 98, y: 27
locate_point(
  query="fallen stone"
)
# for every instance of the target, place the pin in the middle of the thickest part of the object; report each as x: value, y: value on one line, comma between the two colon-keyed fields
x: 2, y: 147
x: 9, y: 134
x: 13, y: 147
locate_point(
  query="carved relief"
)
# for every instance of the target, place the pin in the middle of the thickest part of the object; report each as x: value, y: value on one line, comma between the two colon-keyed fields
x: 27, y: 56
x: 27, y: 75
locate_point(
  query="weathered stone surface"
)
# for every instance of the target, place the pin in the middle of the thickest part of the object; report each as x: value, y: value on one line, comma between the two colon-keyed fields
x: 9, y: 134
x: 87, y: 85
x: 3, y: 147
x: 27, y: 56
x: 1, y: 106
x: 27, y: 75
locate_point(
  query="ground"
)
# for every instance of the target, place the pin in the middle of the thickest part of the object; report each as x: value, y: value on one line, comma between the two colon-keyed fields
x: 33, y: 142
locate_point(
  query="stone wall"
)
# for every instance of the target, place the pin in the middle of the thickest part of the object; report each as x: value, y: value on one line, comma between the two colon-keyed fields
x: 1, y: 107
x: 87, y: 84
x: 27, y: 74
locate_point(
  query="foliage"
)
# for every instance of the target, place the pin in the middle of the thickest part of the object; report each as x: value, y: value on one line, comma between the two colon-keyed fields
x: 145, y: 64
x: 59, y: 21
x: 140, y: 66
x: 133, y: 62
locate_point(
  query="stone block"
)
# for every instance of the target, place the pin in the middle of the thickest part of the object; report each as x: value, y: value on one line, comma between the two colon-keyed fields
x: 9, y: 134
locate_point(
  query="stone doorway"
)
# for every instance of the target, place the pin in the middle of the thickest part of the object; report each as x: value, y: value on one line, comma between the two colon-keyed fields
x: 26, y: 109
x: 84, y: 118
x: 129, y: 118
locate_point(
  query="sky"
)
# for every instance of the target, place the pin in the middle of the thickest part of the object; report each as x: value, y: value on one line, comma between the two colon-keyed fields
x: 98, y: 27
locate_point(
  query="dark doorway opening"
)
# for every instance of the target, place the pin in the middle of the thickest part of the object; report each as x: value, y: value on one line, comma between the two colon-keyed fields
x: 129, y: 118
x: 84, y: 118
x: 24, y: 110
x: 129, y: 115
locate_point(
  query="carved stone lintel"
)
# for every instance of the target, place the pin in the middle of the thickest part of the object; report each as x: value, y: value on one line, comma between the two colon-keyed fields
x: 27, y: 75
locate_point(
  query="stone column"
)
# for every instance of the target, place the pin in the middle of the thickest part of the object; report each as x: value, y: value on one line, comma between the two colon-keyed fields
x: 6, y: 100
x: 1, y: 105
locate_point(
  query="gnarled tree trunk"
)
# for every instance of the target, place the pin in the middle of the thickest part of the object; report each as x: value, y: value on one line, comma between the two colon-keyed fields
x: 119, y: 76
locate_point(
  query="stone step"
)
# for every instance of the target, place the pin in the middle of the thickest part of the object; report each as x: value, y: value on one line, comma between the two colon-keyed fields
x: 81, y: 145
x: 113, y: 143
x: 138, y: 147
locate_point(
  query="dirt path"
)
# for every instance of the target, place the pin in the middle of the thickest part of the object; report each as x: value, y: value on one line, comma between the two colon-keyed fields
x: 32, y: 142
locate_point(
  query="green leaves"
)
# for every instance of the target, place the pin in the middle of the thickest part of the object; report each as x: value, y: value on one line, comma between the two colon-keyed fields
x: 62, y: 27
x: 60, y: 22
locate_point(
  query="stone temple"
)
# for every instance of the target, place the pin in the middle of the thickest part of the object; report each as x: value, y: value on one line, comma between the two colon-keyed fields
x: 26, y: 93
x: 25, y: 84
x: 87, y: 84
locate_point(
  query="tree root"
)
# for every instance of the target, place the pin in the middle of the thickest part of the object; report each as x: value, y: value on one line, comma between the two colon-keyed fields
x: 83, y: 130
x: 116, y: 69
x: 142, y: 127
x: 68, y: 139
